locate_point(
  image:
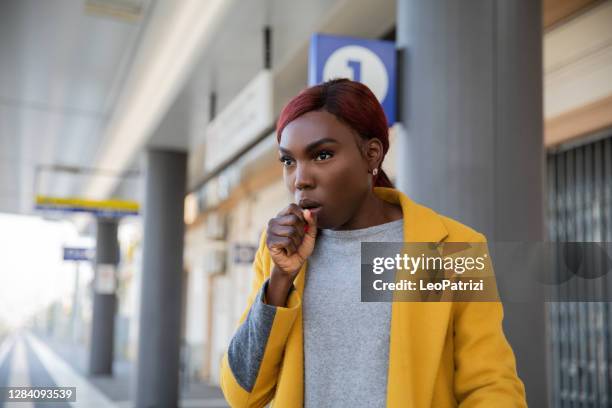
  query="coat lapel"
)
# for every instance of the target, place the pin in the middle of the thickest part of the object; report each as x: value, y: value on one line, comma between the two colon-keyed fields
x: 418, y: 329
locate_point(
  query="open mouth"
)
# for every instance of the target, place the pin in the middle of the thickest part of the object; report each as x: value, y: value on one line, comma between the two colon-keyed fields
x: 313, y: 206
x: 314, y: 209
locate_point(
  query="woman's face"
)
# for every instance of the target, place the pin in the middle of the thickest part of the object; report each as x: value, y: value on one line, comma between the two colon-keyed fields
x: 323, y: 166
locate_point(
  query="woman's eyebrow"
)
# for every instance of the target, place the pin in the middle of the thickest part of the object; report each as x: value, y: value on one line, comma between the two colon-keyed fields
x: 312, y: 145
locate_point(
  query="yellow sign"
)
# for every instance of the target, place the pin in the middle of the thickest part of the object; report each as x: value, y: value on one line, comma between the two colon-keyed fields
x: 99, y: 207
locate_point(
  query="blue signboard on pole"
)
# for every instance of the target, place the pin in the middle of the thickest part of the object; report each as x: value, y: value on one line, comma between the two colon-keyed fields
x: 371, y: 62
x: 78, y: 254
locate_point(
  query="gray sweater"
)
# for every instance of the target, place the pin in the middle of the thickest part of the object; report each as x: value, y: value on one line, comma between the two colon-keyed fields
x: 346, y: 342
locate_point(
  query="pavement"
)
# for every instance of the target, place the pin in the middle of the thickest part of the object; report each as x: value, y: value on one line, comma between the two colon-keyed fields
x: 30, y: 360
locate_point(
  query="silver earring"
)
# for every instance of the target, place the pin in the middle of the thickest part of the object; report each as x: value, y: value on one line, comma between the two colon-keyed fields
x: 375, y: 172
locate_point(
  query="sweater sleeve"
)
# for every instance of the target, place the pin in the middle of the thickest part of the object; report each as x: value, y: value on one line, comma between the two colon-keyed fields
x: 485, y: 366
x: 251, y: 364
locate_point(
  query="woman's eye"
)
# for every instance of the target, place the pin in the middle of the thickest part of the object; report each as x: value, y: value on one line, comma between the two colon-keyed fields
x: 286, y: 161
x: 325, y: 154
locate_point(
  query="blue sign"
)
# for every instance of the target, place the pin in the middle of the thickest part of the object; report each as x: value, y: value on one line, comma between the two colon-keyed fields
x: 371, y: 62
x: 78, y: 254
x: 244, y: 253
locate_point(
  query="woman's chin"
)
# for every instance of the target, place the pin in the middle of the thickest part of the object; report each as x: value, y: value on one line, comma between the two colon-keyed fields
x: 321, y: 223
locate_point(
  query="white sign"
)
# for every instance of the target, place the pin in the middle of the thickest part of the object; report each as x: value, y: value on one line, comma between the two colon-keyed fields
x: 105, y: 282
x: 354, y: 61
x: 249, y: 114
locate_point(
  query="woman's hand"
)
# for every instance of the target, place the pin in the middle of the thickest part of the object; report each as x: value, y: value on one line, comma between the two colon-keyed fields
x: 291, y: 238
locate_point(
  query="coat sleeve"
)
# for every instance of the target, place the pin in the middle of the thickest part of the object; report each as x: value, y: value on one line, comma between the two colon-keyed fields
x: 251, y: 364
x: 485, y: 366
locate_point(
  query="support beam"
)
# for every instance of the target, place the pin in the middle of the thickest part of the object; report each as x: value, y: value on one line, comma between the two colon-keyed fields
x: 105, y: 299
x: 161, y: 285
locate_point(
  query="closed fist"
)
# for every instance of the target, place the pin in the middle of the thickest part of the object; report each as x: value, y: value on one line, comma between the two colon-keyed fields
x: 291, y: 238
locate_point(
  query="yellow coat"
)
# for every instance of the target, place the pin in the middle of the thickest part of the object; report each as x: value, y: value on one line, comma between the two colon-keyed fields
x: 442, y: 354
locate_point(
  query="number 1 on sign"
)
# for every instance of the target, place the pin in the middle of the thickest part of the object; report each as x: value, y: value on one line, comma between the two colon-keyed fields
x: 356, y: 67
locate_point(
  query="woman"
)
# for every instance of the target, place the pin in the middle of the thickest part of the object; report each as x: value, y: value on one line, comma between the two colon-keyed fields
x: 305, y: 339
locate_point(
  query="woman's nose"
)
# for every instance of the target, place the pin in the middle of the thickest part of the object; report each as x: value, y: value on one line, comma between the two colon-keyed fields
x: 303, y: 177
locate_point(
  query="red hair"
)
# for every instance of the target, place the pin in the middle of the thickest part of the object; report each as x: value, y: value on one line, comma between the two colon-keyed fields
x: 352, y: 103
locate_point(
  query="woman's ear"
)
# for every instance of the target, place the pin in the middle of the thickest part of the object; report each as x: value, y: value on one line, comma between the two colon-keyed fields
x: 373, y: 152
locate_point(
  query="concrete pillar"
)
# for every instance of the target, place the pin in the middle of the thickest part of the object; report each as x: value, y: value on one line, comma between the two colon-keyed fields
x: 105, y: 300
x: 470, y: 144
x: 161, y: 288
